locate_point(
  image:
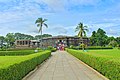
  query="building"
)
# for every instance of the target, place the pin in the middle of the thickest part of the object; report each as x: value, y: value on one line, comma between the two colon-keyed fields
x: 27, y: 43
x: 52, y: 41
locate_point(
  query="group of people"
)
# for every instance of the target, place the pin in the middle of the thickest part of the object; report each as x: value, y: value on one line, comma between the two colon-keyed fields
x: 61, y: 47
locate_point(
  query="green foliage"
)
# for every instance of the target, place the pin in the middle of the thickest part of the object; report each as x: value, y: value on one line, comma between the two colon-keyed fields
x: 43, y: 36
x: 52, y: 49
x: 10, y: 39
x: 71, y: 46
x: 106, y: 62
x: 98, y: 38
x: 20, y: 36
x: 118, y: 40
x: 82, y: 45
x: 17, y: 53
x: 113, y: 43
x: 15, y: 68
x: 91, y: 47
x: 82, y: 30
x: 2, y: 39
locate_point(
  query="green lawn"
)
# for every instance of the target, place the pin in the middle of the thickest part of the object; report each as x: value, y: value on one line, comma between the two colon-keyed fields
x: 16, y: 67
x: 107, y: 62
x: 111, y: 54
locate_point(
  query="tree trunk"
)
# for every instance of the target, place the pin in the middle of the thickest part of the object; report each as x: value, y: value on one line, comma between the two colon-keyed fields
x: 41, y: 38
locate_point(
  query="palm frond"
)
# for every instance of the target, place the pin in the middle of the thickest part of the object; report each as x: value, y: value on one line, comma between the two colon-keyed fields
x: 46, y: 25
x: 38, y: 20
x: 86, y: 30
x: 85, y: 26
x: 84, y: 33
x: 38, y: 25
x: 77, y: 28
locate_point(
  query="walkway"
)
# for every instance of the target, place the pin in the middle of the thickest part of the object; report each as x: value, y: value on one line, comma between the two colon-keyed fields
x: 63, y: 66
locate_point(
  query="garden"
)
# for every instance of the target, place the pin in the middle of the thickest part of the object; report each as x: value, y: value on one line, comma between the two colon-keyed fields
x: 106, y: 61
x: 15, y: 64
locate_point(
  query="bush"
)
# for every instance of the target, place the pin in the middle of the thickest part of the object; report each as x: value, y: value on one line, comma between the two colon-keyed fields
x: 108, y: 67
x: 91, y: 48
x: 51, y: 49
x: 19, y: 69
x: 16, y: 53
x: 118, y: 47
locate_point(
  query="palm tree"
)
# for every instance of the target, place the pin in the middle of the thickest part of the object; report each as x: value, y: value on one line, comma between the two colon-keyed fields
x: 82, y: 30
x: 40, y: 23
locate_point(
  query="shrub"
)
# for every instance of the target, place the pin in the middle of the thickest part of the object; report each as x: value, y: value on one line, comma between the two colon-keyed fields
x: 71, y: 46
x: 108, y: 67
x: 91, y: 47
x: 16, y: 53
x: 118, y: 47
x: 51, y: 49
x: 17, y: 70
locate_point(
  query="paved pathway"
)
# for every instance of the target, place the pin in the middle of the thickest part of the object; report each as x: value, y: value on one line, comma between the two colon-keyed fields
x: 63, y: 66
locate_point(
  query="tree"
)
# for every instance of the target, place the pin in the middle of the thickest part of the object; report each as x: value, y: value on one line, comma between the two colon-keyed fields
x: 83, y: 46
x: 2, y: 39
x: 93, y: 39
x: 10, y: 39
x: 40, y: 23
x: 118, y: 41
x: 20, y: 36
x: 113, y: 43
x: 43, y: 36
x: 101, y: 37
x: 82, y: 30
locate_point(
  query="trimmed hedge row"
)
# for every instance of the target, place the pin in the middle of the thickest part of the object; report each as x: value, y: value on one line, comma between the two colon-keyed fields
x: 17, y: 53
x: 17, y: 49
x: 91, y: 48
x: 19, y: 70
x: 108, y: 67
x: 51, y: 48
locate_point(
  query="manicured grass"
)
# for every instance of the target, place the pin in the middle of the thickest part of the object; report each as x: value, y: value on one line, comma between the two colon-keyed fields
x: 111, y: 54
x: 16, y: 67
x: 107, y: 62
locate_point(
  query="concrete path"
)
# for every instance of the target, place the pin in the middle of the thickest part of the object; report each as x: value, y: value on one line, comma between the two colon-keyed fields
x: 63, y: 66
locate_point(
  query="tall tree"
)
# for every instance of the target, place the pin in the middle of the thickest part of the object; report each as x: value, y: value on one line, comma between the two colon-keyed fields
x: 10, y: 39
x: 20, y: 36
x: 2, y: 40
x: 118, y: 41
x: 40, y: 23
x: 93, y: 39
x: 99, y: 38
x: 82, y: 30
x: 113, y: 43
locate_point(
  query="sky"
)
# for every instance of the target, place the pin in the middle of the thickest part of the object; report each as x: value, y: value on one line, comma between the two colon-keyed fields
x: 62, y: 16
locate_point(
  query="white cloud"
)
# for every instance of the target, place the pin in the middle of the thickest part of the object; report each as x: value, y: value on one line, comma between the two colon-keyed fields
x: 63, y: 5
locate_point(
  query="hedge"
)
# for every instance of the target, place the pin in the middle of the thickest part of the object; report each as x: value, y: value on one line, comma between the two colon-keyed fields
x: 20, y: 68
x: 17, y: 53
x: 52, y: 49
x: 108, y: 67
x: 91, y: 48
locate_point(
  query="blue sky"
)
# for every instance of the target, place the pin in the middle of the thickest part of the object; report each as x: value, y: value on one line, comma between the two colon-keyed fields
x: 63, y: 16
